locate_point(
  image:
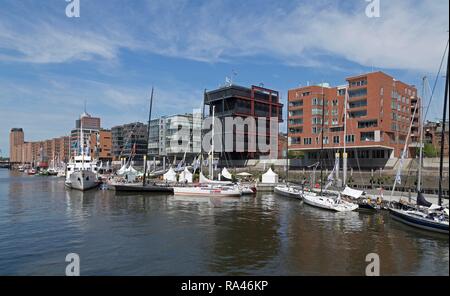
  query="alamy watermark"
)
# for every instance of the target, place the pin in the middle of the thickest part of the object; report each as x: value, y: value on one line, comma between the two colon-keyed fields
x: 73, y: 268
x: 373, y: 8
x: 73, y: 8
x: 226, y: 134
x: 373, y: 268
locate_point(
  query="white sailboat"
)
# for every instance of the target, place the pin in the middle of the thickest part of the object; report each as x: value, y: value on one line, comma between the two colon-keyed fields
x: 320, y: 200
x: 288, y: 191
x: 209, y: 187
x: 82, y: 172
x: 285, y: 189
x: 425, y: 215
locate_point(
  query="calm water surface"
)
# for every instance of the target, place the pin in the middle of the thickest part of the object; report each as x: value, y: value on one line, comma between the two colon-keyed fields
x: 132, y: 234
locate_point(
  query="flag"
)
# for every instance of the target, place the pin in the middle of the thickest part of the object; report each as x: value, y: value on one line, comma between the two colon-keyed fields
x: 398, y: 178
x: 179, y: 165
x: 196, y: 164
x: 330, y: 177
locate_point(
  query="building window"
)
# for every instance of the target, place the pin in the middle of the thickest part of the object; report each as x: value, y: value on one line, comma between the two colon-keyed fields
x: 296, y: 121
x: 350, y: 138
x: 368, y: 136
x: 367, y: 124
x: 325, y: 140
x: 357, y: 93
x: 317, y: 102
x: 337, y: 129
x: 335, y: 139
x: 295, y: 140
x: 296, y: 104
x: 297, y: 130
x: 341, y: 92
x: 357, y: 114
x: 296, y: 113
x: 358, y: 83
x: 316, y: 111
x: 307, y: 141
x: 316, y: 120
x: 357, y: 104
x: 316, y: 130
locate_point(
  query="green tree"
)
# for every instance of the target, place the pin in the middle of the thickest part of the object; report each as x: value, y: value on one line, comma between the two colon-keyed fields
x: 296, y: 155
x: 429, y: 150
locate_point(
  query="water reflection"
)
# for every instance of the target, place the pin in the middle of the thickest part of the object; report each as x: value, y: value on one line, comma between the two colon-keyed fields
x: 153, y: 234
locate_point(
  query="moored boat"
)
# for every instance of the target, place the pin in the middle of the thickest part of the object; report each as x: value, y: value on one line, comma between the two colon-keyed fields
x: 328, y: 203
x: 288, y: 191
x: 436, y: 222
x: 208, y: 190
x: 82, y: 180
x: 82, y: 170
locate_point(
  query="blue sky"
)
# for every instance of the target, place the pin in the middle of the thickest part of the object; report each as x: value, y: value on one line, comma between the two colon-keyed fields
x: 113, y: 54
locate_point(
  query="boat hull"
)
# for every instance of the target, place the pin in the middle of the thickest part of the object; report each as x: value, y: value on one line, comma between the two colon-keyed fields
x: 82, y: 180
x: 207, y: 192
x: 417, y: 222
x: 140, y: 188
x: 284, y: 191
x: 328, y: 203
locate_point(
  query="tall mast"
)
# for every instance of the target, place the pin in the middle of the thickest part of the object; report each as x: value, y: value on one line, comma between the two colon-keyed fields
x: 211, y: 172
x: 344, y: 154
x: 287, y: 142
x: 321, y: 147
x: 201, y: 132
x: 82, y: 142
x: 402, y: 157
x: 419, y: 177
x: 444, y: 117
x: 148, y: 138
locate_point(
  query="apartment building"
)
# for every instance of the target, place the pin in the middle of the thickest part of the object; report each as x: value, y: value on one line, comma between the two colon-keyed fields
x: 379, y: 112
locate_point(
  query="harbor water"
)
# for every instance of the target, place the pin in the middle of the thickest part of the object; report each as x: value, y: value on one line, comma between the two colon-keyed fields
x: 153, y: 234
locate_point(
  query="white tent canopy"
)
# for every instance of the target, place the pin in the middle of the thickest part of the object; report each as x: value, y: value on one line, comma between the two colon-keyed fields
x: 226, y: 174
x: 170, y: 176
x: 130, y: 169
x: 122, y: 170
x: 185, y: 176
x: 352, y: 192
x: 269, y: 177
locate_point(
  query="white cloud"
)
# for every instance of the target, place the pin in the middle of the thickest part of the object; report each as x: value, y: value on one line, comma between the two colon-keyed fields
x: 409, y: 35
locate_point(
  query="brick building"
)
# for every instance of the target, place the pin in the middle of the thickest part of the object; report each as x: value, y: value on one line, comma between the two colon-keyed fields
x: 433, y: 136
x: 237, y: 101
x: 379, y: 113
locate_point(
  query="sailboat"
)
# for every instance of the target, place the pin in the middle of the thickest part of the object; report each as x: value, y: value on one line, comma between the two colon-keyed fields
x: 82, y: 170
x: 425, y: 215
x: 320, y: 200
x: 209, y: 187
x: 285, y: 189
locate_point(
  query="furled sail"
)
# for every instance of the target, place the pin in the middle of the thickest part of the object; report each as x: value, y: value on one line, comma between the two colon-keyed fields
x: 421, y: 201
